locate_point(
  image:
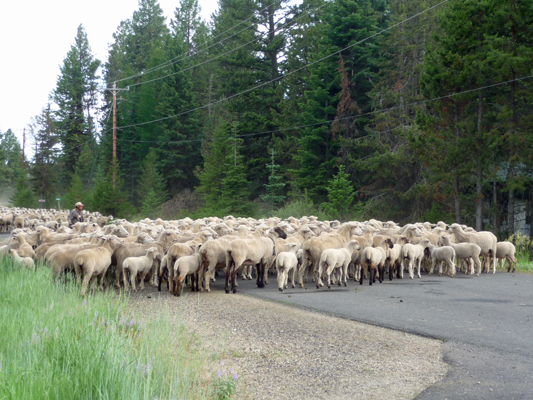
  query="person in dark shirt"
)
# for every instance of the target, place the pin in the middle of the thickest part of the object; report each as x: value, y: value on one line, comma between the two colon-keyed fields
x: 75, y: 215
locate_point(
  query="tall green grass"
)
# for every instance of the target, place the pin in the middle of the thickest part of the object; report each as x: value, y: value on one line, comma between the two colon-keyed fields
x: 56, y: 345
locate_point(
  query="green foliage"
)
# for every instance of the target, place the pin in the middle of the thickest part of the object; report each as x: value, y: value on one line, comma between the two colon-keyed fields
x: 10, y: 158
x: 223, y: 182
x: 24, y: 196
x: 436, y: 214
x: 340, y: 195
x: 274, y: 188
x: 151, y: 204
x: 109, y: 198
x: 299, y: 207
x: 151, y: 183
x: 75, y: 193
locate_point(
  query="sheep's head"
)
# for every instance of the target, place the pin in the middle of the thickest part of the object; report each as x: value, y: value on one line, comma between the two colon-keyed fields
x: 280, y: 232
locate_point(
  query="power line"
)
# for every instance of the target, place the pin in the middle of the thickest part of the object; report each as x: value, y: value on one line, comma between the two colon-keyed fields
x: 176, y: 59
x: 247, y: 135
x: 288, y: 23
x: 287, y: 74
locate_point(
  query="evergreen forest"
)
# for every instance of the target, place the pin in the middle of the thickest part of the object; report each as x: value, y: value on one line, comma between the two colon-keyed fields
x: 403, y: 110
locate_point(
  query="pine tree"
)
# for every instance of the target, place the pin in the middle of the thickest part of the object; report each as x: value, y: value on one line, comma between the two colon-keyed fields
x: 340, y: 196
x: 75, y: 94
x: 75, y: 193
x: 11, y: 156
x: 45, y: 170
x: 321, y: 149
x: 24, y: 196
x: 274, y: 188
x: 151, y: 181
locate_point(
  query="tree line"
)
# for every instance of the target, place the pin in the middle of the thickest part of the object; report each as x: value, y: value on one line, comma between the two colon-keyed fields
x: 391, y: 109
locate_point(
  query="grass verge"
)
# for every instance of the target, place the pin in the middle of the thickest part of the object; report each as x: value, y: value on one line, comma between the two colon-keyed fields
x: 55, y: 345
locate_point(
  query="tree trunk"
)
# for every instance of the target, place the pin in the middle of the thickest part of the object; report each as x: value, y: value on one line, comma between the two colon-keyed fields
x: 456, y: 186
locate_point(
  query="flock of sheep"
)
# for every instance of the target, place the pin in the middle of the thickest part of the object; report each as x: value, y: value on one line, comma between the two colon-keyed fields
x: 171, y: 251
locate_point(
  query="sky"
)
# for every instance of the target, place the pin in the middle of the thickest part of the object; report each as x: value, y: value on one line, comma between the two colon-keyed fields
x: 35, y: 37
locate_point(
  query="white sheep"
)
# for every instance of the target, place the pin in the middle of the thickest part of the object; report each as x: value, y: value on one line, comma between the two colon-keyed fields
x: 26, y: 261
x: 286, y: 262
x: 411, y: 254
x: 506, y: 251
x: 444, y: 254
x: 188, y: 265
x: 465, y: 251
x: 371, y: 259
x: 332, y: 259
x: 138, y: 265
x: 94, y: 262
x: 486, y: 240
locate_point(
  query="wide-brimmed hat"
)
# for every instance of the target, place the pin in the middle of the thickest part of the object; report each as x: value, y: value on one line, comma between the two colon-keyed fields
x: 79, y: 204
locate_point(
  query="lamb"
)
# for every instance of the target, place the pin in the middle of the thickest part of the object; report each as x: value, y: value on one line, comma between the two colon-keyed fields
x: 393, y: 258
x: 286, y: 262
x: 213, y: 258
x: 486, y: 240
x: 372, y: 258
x: 332, y: 259
x: 188, y: 265
x: 506, y: 251
x: 175, y: 251
x: 412, y: 254
x: 465, y: 251
x: 166, y: 239
x: 26, y: 261
x: 24, y: 248
x: 138, y: 265
x: 93, y: 262
x: 444, y: 254
x: 314, y: 246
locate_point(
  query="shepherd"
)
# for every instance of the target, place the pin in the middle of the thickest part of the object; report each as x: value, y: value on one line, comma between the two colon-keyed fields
x: 75, y: 215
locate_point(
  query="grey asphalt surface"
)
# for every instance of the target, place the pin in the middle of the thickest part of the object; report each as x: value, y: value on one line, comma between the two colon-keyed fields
x: 485, y: 322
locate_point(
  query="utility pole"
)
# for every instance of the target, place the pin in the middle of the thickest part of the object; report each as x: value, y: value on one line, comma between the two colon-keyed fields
x: 115, y: 90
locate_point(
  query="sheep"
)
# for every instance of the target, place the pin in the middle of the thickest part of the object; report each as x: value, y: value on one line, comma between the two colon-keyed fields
x: 444, y: 254
x: 412, y: 254
x: 506, y: 251
x: 188, y: 265
x: 332, y: 259
x: 486, y: 240
x: 175, y: 251
x: 465, y: 251
x: 258, y: 251
x: 24, y: 249
x: 286, y: 262
x: 314, y: 246
x: 93, y: 262
x: 213, y: 258
x: 372, y: 258
x: 138, y: 265
x: 166, y: 238
x: 393, y: 258
x: 26, y: 261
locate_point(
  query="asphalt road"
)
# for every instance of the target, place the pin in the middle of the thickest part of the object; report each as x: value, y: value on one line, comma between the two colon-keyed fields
x: 486, y: 324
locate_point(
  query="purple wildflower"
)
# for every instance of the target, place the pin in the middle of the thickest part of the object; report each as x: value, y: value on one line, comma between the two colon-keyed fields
x: 84, y: 303
x: 235, y: 376
x: 219, y: 374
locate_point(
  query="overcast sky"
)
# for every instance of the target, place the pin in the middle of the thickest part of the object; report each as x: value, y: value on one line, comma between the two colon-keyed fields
x: 35, y: 37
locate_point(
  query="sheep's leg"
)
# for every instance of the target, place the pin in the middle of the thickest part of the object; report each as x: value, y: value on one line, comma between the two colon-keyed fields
x: 85, y: 283
x: 228, y: 273
x: 143, y: 276
x: 133, y: 278
x: 171, y: 279
x: 207, y: 277
x: 125, y: 278
x: 260, y: 274
x: 419, y: 262
x: 293, y: 270
x: 233, y: 278
x: 301, y: 273
x: 319, y: 282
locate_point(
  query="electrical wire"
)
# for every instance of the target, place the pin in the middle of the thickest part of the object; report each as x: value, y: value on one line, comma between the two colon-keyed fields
x: 287, y: 74
x: 176, y: 59
x: 386, y: 110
